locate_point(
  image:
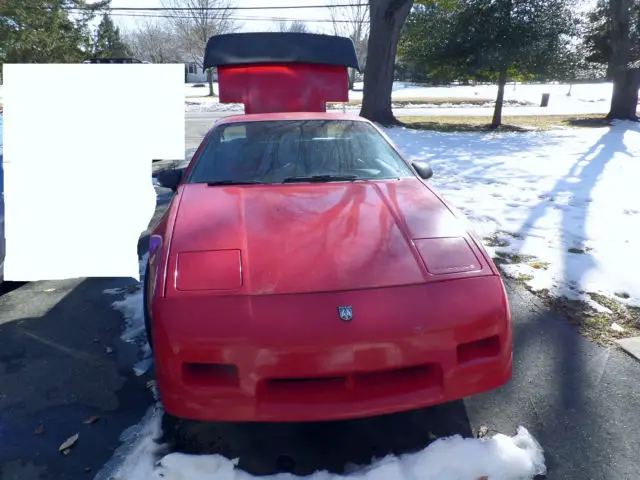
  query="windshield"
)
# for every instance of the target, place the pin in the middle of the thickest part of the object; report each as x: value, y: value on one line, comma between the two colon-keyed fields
x: 297, y: 150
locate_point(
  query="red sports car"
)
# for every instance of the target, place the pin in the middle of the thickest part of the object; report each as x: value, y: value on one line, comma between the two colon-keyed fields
x: 305, y: 270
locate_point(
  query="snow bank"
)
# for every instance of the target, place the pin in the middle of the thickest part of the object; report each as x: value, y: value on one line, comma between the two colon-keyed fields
x: 499, y: 458
x: 131, y: 308
x: 136, y: 458
x: 567, y: 198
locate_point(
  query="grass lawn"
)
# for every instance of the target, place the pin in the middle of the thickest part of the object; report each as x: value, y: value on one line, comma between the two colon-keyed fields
x: 523, y: 123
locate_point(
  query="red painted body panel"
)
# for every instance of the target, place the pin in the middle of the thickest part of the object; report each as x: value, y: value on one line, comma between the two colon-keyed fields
x: 292, y: 359
x: 283, y: 88
x: 260, y: 338
x: 298, y: 238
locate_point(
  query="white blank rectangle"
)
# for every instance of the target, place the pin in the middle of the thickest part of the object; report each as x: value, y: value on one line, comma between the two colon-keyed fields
x: 78, y: 145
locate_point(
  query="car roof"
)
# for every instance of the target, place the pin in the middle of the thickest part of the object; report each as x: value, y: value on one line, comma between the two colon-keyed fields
x: 264, y: 117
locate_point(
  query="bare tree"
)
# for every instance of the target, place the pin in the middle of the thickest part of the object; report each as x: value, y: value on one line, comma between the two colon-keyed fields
x: 296, y: 26
x: 153, y: 42
x: 352, y: 22
x: 195, y: 22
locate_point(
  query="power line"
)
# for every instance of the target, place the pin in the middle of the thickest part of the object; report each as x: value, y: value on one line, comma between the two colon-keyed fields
x: 242, y: 19
x: 191, y: 9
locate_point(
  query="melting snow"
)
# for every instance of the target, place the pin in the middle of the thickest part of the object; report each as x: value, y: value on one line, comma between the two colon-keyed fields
x: 561, y: 204
x: 499, y: 457
x: 131, y: 307
x: 136, y: 458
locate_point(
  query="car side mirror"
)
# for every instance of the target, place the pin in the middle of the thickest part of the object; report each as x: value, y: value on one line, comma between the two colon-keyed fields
x: 170, y: 178
x: 423, y: 169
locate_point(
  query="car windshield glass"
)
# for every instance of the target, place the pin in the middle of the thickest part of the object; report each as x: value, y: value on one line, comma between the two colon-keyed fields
x: 288, y: 151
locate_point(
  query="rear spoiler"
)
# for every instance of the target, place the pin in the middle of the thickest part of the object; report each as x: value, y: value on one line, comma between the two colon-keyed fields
x: 281, y: 72
x: 262, y: 48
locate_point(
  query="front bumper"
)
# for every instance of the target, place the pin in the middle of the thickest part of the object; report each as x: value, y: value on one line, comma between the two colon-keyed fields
x: 291, y: 358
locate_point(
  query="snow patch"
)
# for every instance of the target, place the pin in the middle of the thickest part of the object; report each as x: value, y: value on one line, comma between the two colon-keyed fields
x: 499, y: 458
x: 136, y: 458
x: 131, y: 307
x: 561, y: 206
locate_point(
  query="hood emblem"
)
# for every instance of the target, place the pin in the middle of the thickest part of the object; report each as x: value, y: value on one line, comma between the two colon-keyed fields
x: 345, y: 313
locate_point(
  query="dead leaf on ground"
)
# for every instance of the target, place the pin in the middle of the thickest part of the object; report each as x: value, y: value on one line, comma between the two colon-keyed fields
x: 68, y: 443
x: 482, y: 432
x: 90, y: 420
x: 39, y: 429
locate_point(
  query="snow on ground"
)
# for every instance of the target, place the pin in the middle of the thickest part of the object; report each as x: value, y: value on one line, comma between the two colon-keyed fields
x: 568, y: 198
x: 136, y: 458
x: 131, y: 308
x: 587, y: 93
x: 584, y: 98
x: 499, y: 458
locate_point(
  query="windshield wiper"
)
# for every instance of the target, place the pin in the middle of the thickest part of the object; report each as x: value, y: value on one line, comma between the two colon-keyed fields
x: 322, y: 178
x: 232, y: 182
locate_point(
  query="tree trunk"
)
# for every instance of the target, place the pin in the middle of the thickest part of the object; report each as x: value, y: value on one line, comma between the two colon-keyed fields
x: 497, y: 111
x: 387, y: 18
x: 210, y: 80
x: 352, y: 78
x: 620, y: 55
x: 624, y: 101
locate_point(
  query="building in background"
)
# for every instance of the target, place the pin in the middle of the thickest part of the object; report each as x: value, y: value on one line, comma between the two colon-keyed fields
x: 194, y: 73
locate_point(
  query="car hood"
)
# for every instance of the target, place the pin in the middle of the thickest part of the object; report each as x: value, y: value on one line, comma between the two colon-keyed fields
x: 293, y: 238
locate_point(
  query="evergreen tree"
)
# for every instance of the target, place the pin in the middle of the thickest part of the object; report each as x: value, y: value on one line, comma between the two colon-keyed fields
x: 107, y: 42
x: 597, y: 38
x: 493, y: 39
x: 41, y: 31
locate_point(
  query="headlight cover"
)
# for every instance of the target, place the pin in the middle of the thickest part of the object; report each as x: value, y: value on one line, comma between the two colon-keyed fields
x: 444, y: 256
x: 209, y: 270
